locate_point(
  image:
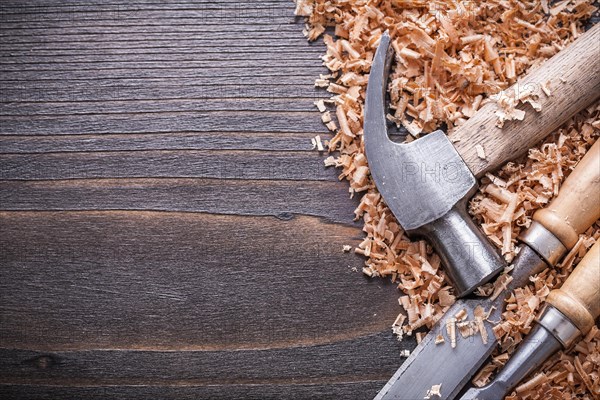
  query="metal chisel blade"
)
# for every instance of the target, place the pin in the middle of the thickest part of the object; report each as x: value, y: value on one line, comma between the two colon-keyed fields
x: 432, y: 364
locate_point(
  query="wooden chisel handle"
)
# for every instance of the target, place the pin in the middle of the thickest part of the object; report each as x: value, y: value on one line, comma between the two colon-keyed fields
x: 572, y: 76
x: 577, y: 205
x: 579, y: 297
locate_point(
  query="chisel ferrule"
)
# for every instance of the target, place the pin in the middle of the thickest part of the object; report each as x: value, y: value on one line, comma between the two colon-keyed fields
x: 559, y: 326
x: 544, y: 243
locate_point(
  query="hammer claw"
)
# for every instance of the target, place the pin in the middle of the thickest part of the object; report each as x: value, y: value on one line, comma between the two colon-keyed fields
x: 375, y: 109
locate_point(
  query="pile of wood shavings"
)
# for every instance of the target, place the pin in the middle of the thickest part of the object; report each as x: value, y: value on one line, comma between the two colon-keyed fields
x: 450, y: 57
x: 506, y: 200
x: 533, y: 184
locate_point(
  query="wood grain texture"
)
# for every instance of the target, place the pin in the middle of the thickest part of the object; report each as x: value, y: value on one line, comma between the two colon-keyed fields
x: 572, y: 76
x: 577, y: 206
x: 579, y: 297
x: 281, y: 199
x: 152, y: 280
x: 167, y: 230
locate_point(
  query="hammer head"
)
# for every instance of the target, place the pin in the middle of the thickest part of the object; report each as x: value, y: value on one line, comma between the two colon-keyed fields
x: 426, y: 184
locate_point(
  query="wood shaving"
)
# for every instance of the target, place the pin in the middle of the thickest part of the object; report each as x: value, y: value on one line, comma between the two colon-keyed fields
x: 439, y: 339
x: 545, y: 89
x: 535, y: 181
x: 397, y: 326
x: 501, y: 283
x: 419, y: 337
x: 480, y: 151
x: 452, y: 58
x: 484, y: 374
x: 480, y: 316
x: 461, y: 315
x: 317, y: 144
x: 451, y: 331
x: 346, y: 248
x: 532, y: 383
x: 320, y: 105
x: 466, y: 327
x: 435, y: 391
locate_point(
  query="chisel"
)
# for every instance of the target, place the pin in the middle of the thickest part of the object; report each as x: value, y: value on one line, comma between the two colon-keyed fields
x: 555, y: 230
x: 570, y: 312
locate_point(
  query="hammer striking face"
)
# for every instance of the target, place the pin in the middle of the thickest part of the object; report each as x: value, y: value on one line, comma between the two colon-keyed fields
x: 427, y: 184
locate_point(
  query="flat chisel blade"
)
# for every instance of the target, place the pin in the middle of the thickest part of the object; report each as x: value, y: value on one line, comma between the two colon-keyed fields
x: 433, y: 364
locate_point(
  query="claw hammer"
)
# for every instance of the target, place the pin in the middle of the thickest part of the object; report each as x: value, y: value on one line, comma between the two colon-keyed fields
x: 428, y: 182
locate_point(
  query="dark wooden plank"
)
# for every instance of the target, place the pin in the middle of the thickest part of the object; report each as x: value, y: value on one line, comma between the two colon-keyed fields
x: 281, y: 199
x: 158, y: 105
x: 212, y: 74
x: 214, y: 121
x: 265, y: 39
x: 203, y: 344
x: 226, y: 164
x: 35, y: 4
x: 86, y: 24
x: 269, y: 141
x: 167, y: 230
x: 159, y: 89
x: 248, y: 15
x: 267, y: 57
x: 170, y: 281
x: 231, y: 45
x: 256, y: 68
x: 347, y: 360
x: 279, y: 53
x: 144, y: 46
x: 342, y: 391
x: 66, y: 6
x: 190, y: 26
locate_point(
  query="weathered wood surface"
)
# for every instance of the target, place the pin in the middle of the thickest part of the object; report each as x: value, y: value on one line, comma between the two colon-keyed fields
x: 166, y: 229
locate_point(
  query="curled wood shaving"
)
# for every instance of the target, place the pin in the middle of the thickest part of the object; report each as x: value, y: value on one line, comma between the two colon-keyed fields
x: 461, y: 315
x: 439, y: 339
x: 537, y: 380
x: 451, y: 331
x: 480, y: 151
x: 434, y: 392
x: 397, y: 326
x: 466, y: 327
x: 320, y: 105
x: 501, y: 283
x: 419, y: 337
x: 583, y: 375
x: 480, y: 316
x: 317, y: 144
x: 484, y: 374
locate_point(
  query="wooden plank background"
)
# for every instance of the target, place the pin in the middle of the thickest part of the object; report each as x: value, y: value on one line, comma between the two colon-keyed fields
x: 166, y: 230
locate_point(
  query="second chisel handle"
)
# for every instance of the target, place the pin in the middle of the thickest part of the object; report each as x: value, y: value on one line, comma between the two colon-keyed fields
x: 579, y: 297
x: 577, y: 205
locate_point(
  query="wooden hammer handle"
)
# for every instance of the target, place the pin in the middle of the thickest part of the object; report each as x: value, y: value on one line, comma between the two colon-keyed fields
x: 577, y: 205
x: 579, y: 297
x: 572, y: 76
